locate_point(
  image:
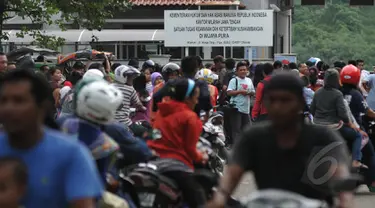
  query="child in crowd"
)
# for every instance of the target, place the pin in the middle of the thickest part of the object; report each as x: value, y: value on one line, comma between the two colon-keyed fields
x: 13, y: 182
x: 156, y: 78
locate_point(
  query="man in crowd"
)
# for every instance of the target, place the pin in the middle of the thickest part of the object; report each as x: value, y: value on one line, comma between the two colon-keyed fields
x: 281, y: 153
x: 277, y: 65
x: 3, y: 62
x: 220, y: 70
x: 364, y: 75
x: 303, y: 70
x: 61, y: 171
x: 259, y: 112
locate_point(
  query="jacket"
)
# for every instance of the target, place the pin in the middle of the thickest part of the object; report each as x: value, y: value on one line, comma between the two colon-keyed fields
x: 328, y: 105
x: 259, y: 108
x: 180, y: 128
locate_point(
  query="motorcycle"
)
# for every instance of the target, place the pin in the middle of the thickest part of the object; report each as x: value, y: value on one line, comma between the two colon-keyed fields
x: 280, y: 198
x: 213, y: 132
x: 155, y: 189
x: 272, y: 198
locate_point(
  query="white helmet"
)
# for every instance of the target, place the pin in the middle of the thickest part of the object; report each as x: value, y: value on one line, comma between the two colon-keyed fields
x: 122, y: 72
x: 97, y: 101
x: 206, y: 75
x: 93, y: 73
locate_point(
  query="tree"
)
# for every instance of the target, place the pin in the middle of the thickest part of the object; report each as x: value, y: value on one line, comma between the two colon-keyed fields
x: 90, y: 14
x: 335, y: 32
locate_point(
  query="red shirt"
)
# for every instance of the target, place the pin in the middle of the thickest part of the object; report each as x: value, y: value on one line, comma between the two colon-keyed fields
x: 180, y: 128
x: 259, y: 108
x: 213, y: 95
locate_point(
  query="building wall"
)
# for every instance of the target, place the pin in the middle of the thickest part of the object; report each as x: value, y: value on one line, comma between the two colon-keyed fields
x: 143, y: 17
x: 282, y: 27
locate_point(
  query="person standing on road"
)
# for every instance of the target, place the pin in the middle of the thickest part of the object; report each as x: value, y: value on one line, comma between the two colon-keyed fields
x: 62, y: 172
x: 259, y: 112
x: 240, y: 89
x: 283, y: 153
x: 220, y: 70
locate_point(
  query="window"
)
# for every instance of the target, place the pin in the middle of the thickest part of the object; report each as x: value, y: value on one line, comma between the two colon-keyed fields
x: 238, y: 52
x: 145, y: 49
x: 217, y: 51
x: 175, y: 52
x: 196, y: 51
x: 313, y: 2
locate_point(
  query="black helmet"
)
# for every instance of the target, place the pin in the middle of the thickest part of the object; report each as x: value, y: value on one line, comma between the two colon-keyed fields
x: 170, y: 67
x: 148, y: 64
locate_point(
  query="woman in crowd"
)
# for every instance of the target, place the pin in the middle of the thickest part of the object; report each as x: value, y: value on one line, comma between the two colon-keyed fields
x: 180, y: 128
x: 55, y: 79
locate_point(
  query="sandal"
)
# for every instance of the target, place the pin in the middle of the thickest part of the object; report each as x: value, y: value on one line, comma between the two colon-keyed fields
x: 360, y: 166
x: 371, y: 188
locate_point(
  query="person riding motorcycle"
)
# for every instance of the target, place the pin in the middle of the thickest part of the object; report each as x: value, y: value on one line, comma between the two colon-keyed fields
x: 170, y: 71
x: 95, y: 103
x: 124, y: 76
x: 210, y: 77
x: 180, y: 128
x: 350, y: 78
x: 328, y: 109
x: 133, y: 150
x: 148, y: 68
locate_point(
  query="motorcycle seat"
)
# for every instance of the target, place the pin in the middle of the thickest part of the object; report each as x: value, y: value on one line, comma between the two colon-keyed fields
x: 153, y: 175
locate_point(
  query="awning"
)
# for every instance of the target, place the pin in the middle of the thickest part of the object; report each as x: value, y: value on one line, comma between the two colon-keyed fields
x: 72, y: 36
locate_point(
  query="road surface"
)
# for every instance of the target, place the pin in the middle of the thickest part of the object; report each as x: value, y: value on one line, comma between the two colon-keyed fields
x: 362, y: 200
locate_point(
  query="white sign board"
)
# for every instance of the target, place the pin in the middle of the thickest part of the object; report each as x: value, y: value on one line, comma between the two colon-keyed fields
x: 200, y: 28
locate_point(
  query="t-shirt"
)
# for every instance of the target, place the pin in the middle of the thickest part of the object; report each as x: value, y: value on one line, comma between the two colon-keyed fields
x: 371, y: 95
x: 67, y: 107
x: 60, y: 170
x: 130, y: 99
x: 242, y: 102
x: 308, y: 94
x: 357, y: 103
x: 295, y: 169
x: 364, y: 76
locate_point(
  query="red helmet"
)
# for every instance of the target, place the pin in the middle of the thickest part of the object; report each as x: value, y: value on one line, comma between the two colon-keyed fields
x: 350, y: 74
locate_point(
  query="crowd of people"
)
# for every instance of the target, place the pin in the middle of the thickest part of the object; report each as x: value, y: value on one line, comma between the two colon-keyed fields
x: 263, y: 104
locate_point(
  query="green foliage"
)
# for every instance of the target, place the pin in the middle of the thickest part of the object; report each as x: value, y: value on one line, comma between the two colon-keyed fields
x: 335, y: 32
x: 90, y: 14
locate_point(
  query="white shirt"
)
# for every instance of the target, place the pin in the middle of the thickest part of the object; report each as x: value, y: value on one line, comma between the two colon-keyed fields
x: 364, y: 76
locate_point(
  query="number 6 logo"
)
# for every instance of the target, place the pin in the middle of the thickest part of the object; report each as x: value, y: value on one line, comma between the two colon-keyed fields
x: 318, y: 160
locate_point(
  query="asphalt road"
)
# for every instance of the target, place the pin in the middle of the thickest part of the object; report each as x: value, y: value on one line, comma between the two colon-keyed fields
x: 363, y: 199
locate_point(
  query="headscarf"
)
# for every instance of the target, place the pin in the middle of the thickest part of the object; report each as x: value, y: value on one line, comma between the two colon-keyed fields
x: 154, y: 77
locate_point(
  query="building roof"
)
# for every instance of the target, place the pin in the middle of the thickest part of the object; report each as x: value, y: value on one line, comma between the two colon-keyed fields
x: 183, y: 2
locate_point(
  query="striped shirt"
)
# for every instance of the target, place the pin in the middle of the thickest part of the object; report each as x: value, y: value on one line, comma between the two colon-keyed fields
x: 130, y: 99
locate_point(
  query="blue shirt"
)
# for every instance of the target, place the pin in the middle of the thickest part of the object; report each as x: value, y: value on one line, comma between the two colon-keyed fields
x: 371, y: 95
x: 242, y: 102
x: 60, y: 170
